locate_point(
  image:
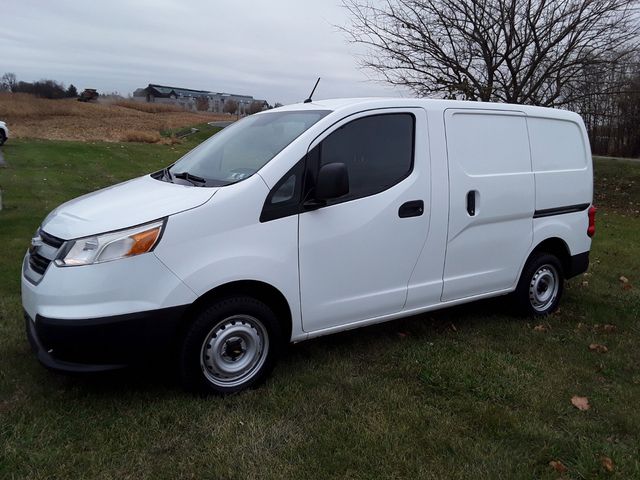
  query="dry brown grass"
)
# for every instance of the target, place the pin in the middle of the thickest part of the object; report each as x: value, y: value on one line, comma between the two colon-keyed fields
x: 149, y: 107
x: 143, y: 137
x: 31, y: 117
x: 14, y: 106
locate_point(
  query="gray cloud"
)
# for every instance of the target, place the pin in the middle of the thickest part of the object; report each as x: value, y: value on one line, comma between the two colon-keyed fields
x: 272, y: 50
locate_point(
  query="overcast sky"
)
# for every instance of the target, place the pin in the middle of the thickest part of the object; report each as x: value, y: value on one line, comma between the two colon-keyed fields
x: 273, y: 50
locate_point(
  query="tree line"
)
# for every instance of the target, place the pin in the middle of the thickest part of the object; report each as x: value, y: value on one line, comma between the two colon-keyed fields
x: 41, y: 88
x: 55, y: 90
x: 574, y: 54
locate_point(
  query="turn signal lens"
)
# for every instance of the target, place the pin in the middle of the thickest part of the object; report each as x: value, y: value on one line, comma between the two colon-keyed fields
x: 144, y: 241
x: 591, y: 229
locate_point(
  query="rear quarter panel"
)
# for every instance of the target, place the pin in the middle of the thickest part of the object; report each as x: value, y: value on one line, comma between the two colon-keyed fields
x: 561, y: 160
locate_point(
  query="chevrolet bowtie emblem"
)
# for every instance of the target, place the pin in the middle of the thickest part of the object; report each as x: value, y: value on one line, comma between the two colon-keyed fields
x: 36, y: 241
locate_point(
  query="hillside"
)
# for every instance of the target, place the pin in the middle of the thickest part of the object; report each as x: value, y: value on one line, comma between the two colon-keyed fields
x: 31, y: 117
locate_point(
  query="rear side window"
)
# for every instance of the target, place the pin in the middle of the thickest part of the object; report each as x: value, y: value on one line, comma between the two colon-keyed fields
x: 556, y: 145
x: 377, y: 150
x: 488, y: 143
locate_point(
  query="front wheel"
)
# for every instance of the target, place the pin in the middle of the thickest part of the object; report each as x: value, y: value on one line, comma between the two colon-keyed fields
x: 3, y: 137
x: 231, y: 346
x: 540, y: 286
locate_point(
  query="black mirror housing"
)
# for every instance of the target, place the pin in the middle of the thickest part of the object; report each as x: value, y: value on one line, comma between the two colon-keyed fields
x: 333, y: 181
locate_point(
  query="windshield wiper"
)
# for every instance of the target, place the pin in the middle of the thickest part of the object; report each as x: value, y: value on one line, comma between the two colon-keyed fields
x: 194, y: 179
x: 167, y: 174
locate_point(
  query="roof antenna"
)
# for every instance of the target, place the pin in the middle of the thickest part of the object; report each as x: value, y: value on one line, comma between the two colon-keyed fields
x: 308, y: 100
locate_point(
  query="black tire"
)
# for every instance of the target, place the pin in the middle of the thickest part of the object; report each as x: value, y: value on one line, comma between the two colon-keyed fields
x: 3, y: 137
x: 540, y: 286
x: 229, y: 334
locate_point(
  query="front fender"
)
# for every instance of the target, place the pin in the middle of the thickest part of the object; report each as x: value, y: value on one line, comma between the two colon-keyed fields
x: 224, y: 241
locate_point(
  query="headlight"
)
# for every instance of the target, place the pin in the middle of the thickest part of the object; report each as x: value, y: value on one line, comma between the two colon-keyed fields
x: 111, y: 246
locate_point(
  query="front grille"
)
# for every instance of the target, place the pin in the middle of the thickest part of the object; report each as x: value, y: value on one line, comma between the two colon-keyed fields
x: 38, y: 263
x: 41, y: 255
x: 50, y: 239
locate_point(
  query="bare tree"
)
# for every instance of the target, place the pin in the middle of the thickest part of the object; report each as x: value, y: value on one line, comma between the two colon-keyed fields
x: 202, y: 104
x: 255, y: 107
x: 609, y: 104
x: 42, y: 88
x: 230, y: 106
x: 8, y: 82
x: 516, y: 51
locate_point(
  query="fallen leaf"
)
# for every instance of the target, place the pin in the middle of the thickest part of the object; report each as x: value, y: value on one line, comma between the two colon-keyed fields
x: 558, y: 466
x: 624, y: 279
x: 596, y: 347
x: 581, y: 403
x: 585, y: 283
x: 607, y: 463
x: 608, y: 328
x: 402, y: 334
x: 540, y: 328
x: 453, y: 327
x: 627, y: 286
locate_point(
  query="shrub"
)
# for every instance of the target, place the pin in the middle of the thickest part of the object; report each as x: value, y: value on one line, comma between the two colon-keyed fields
x: 140, y: 136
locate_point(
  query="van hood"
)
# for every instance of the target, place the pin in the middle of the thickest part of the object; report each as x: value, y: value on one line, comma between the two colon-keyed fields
x: 123, y: 205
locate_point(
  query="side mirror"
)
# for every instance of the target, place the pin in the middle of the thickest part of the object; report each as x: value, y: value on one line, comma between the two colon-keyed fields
x: 332, y: 182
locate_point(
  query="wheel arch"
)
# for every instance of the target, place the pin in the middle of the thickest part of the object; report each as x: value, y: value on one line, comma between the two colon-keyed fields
x: 555, y: 246
x: 259, y: 290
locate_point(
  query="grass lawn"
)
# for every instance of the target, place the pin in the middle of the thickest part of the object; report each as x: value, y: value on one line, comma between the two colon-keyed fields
x: 468, y: 392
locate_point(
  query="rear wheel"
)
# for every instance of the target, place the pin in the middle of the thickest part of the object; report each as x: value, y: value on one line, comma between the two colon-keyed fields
x: 3, y: 137
x: 231, y: 346
x: 540, y: 286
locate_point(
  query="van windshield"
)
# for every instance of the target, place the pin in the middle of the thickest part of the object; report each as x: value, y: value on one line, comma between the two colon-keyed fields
x: 240, y: 150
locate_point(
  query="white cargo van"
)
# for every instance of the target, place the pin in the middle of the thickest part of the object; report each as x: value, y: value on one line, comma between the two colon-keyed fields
x: 308, y: 220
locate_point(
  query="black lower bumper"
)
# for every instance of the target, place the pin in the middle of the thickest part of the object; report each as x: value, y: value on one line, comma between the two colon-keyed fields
x: 101, y: 344
x: 577, y: 264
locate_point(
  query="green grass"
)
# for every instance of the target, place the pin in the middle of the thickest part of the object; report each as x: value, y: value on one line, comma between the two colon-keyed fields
x: 469, y: 392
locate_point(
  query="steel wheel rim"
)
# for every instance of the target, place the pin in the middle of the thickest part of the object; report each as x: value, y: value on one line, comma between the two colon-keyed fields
x: 543, y: 288
x: 234, y: 350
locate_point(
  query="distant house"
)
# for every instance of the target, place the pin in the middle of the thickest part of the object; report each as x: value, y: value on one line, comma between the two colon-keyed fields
x: 201, y: 100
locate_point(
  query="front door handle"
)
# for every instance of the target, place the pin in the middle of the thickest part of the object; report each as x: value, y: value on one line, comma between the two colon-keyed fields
x: 414, y: 208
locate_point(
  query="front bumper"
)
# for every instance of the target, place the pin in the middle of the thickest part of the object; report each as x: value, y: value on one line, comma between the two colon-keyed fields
x: 104, y: 316
x: 101, y: 344
x: 121, y: 287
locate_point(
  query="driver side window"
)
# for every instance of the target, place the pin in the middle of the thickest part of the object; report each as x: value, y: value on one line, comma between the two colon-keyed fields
x: 377, y: 151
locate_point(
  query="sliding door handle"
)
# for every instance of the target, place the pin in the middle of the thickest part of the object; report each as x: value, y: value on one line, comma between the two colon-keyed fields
x: 471, y: 203
x: 414, y: 208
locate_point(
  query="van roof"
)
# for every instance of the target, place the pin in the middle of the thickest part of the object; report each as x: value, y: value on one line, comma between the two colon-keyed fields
x: 336, y: 104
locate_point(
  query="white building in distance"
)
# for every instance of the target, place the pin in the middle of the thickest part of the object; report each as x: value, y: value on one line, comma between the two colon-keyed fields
x: 199, y: 100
